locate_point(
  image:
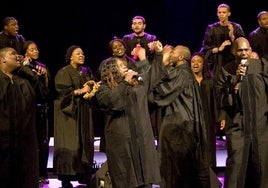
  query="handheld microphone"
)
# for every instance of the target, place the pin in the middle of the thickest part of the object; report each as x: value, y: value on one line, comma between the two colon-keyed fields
x: 137, y: 77
x: 136, y: 50
x: 243, y: 64
x: 29, y: 65
x: 26, y: 63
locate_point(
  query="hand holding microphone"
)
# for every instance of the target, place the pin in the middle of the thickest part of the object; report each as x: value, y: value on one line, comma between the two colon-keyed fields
x: 38, y: 68
x: 26, y: 62
x: 29, y: 65
x: 132, y: 76
x: 243, y: 68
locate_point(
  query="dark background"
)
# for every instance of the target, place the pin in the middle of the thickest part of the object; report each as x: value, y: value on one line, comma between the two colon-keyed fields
x: 55, y: 25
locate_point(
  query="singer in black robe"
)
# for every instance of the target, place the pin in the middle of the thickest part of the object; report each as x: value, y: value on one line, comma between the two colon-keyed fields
x: 117, y: 48
x: 139, y: 36
x: 246, y: 107
x: 206, y: 87
x: 258, y: 38
x: 142, y: 38
x: 10, y: 38
x: 183, y: 140
x: 130, y: 148
x: 72, y: 125
x: 18, y: 143
x: 73, y: 121
x: 218, y: 39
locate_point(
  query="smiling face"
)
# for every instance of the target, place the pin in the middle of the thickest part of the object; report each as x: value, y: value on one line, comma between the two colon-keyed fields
x: 32, y: 51
x: 118, y: 48
x: 77, y: 57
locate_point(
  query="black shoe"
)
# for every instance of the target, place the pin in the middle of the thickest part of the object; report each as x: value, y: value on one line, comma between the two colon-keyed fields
x: 84, y: 180
x: 66, y: 184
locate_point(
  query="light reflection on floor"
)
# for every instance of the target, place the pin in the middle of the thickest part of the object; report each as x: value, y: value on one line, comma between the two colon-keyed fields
x: 100, y: 158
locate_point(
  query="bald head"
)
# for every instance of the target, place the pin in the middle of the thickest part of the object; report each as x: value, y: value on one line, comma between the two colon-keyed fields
x: 184, y: 51
x: 180, y: 54
x: 241, y: 41
x: 242, y: 48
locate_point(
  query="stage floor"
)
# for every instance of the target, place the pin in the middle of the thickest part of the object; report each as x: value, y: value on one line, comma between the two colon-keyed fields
x: 100, y: 158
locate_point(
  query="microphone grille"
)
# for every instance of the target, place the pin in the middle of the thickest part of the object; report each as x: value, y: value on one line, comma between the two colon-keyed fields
x: 243, y: 61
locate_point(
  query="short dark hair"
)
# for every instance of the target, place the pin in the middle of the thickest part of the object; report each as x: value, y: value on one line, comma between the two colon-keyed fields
x: 6, y: 20
x: 224, y: 5
x: 139, y: 17
x: 116, y: 39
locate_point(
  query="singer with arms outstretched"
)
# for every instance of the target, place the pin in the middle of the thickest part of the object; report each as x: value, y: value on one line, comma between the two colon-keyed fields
x: 241, y: 90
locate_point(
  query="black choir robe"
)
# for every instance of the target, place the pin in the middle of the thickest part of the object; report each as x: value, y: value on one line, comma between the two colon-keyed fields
x: 215, y: 35
x: 246, y: 124
x: 18, y: 143
x: 130, y: 145
x: 73, y: 126
x: 183, y: 136
x: 207, y: 94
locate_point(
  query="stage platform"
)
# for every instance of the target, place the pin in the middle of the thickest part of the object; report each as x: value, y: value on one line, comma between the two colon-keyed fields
x: 100, y: 158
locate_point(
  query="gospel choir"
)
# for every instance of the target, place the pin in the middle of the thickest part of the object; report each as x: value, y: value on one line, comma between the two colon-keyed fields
x: 161, y: 108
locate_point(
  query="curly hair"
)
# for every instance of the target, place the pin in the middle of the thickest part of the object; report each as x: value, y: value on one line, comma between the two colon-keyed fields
x: 109, y: 72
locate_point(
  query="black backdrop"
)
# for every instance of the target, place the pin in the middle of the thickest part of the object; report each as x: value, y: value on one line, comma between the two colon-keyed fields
x: 55, y: 25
